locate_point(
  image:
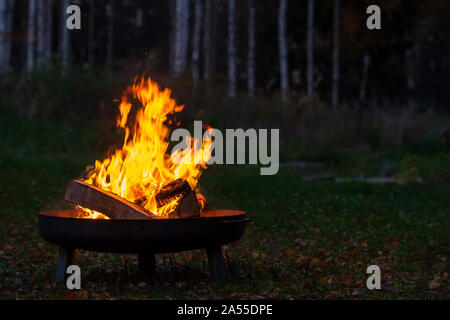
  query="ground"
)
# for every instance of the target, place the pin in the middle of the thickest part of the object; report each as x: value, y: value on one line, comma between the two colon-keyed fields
x: 310, y: 240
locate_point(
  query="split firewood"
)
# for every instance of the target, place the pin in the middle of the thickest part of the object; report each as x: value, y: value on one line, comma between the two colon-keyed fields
x: 188, y: 205
x: 108, y: 203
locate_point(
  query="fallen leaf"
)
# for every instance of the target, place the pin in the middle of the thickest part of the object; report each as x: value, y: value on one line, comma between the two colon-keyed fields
x: 82, y: 294
x: 314, y: 261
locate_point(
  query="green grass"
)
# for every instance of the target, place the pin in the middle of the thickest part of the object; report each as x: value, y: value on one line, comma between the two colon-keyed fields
x: 306, y: 239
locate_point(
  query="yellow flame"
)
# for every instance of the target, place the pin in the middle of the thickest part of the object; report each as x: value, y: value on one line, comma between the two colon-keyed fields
x: 142, y: 166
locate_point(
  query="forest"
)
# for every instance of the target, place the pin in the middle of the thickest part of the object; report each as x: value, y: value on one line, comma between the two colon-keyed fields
x: 363, y: 116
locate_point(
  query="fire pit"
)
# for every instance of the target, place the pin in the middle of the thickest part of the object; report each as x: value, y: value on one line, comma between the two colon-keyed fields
x: 142, y: 198
x: 143, y: 237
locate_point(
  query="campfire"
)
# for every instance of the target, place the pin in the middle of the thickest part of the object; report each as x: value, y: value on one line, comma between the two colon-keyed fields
x: 142, y: 172
x: 138, y: 199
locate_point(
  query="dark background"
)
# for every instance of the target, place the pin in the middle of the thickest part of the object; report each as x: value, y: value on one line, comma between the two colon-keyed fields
x: 316, y: 225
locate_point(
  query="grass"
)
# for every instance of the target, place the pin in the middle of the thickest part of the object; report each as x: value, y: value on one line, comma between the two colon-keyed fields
x: 306, y: 240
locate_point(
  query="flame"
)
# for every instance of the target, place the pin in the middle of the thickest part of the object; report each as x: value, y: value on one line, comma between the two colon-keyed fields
x: 142, y: 166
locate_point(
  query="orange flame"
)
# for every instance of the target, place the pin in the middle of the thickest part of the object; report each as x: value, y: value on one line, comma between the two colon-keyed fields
x: 142, y: 166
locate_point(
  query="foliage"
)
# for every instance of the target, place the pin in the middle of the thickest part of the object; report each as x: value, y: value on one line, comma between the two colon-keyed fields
x: 52, y: 94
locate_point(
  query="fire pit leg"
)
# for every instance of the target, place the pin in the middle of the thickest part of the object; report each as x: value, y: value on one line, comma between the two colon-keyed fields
x: 147, y: 263
x: 64, y: 260
x: 216, y: 263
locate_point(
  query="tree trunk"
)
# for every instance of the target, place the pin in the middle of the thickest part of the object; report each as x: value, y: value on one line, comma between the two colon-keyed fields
x: 30, y: 34
x: 109, y: 31
x: 48, y: 30
x: 196, y: 41
x: 64, y: 45
x: 231, y: 49
x: 6, y: 11
x: 335, y: 58
x: 172, y: 42
x: 214, y: 34
x: 91, y: 30
x: 41, y: 31
x: 207, y: 48
x: 181, y: 36
x: 283, y: 50
x: 410, y: 66
x: 310, y: 49
x: 3, y: 8
x: 365, y: 71
x: 251, y: 48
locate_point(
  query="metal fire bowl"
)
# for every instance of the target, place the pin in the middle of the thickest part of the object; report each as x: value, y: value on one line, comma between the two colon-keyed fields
x: 213, y: 229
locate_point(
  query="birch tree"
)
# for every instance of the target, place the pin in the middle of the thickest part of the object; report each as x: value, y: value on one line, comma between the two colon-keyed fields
x: 181, y: 36
x: 207, y: 48
x: 310, y: 49
x: 109, y: 31
x: 3, y: 7
x: 251, y: 48
x: 41, y: 31
x: 31, y: 34
x: 231, y: 49
x: 6, y: 13
x: 172, y: 22
x: 283, y: 49
x: 64, y: 44
x: 335, y: 58
x: 365, y: 72
x: 48, y: 29
x: 196, y: 41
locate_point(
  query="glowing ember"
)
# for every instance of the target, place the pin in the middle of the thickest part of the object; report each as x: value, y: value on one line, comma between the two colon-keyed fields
x: 142, y: 167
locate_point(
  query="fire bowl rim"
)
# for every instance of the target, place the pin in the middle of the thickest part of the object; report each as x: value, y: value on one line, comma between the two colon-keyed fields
x: 207, y: 214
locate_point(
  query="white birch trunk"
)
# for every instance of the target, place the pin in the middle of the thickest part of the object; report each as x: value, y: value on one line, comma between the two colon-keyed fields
x: 48, y: 30
x: 3, y: 8
x: 335, y: 58
x: 365, y: 72
x: 283, y: 49
x: 109, y: 31
x: 196, y: 41
x: 9, y: 27
x: 207, y: 39
x: 251, y: 48
x: 185, y: 34
x: 231, y: 49
x: 64, y: 45
x: 310, y: 49
x: 31, y: 34
x: 181, y: 36
x: 172, y: 42
x: 6, y: 11
x: 41, y: 31
x: 410, y: 66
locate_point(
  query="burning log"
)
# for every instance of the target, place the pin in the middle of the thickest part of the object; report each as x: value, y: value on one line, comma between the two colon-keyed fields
x: 116, y: 207
x: 108, y: 203
x: 188, y: 206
